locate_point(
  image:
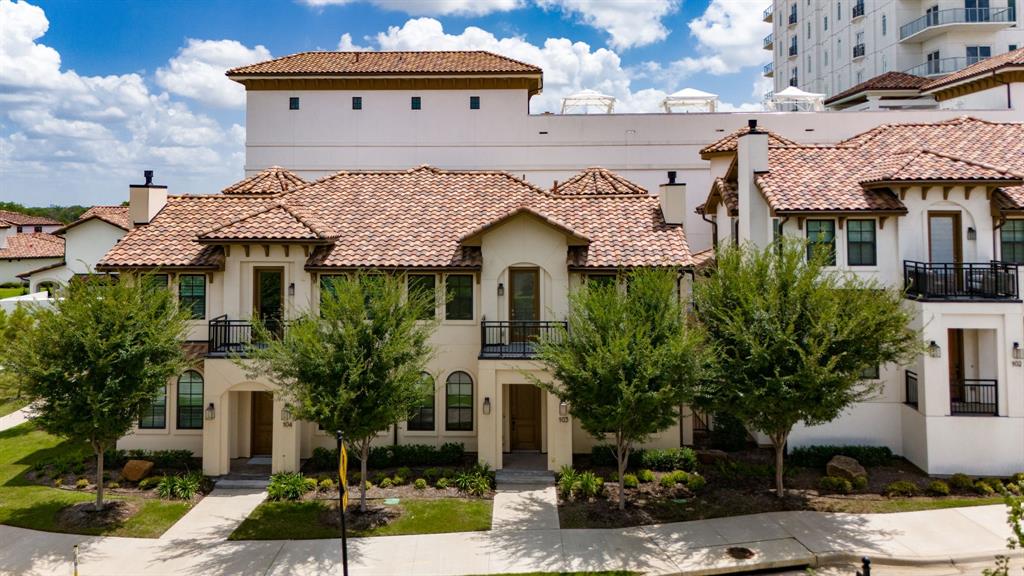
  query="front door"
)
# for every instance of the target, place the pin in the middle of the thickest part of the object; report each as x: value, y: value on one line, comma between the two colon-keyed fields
x: 524, y: 409
x: 262, y: 438
x: 524, y: 303
x: 268, y: 297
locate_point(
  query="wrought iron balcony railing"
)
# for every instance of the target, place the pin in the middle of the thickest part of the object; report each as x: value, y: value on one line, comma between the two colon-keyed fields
x: 957, y: 16
x: 229, y: 337
x: 792, y: 18
x: 974, y: 397
x: 960, y: 281
x: 516, y: 339
x: 858, y: 9
x: 858, y: 51
x: 911, y: 389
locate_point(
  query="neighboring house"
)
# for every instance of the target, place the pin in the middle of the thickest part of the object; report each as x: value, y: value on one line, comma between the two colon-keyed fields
x: 936, y: 209
x: 17, y: 223
x: 827, y: 46
x: 86, y: 240
x: 480, y: 236
x: 20, y: 253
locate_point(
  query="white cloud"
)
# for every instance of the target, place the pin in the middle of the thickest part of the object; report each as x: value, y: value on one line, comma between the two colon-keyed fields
x: 728, y: 36
x: 628, y: 23
x: 197, y: 71
x: 432, y: 7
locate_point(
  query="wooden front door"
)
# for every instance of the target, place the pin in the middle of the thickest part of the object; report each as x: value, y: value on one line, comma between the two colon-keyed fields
x: 268, y: 297
x: 523, y: 303
x: 262, y: 438
x: 524, y: 412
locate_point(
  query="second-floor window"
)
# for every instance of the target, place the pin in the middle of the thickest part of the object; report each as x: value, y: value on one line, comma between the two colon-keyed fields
x: 474, y: 102
x: 860, y: 243
x: 357, y: 102
x: 885, y: 25
x: 1011, y: 239
x: 976, y: 54
x: 192, y: 294
x: 416, y: 103
x: 424, y: 284
x: 293, y: 103
x: 821, y: 236
x: 459, y: 288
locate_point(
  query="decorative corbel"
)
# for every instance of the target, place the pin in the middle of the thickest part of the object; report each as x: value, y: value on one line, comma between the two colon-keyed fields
x: 305, y: 249
x: 945, y: 192
x: 227, y: 250
x: 842, y: 220
x: 799, y: 222
x: 266, y: 250
x: 881, y: 222
x: 246, y: 246
x: 286, y: 247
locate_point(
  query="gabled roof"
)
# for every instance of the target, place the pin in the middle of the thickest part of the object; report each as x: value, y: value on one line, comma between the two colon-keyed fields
x: 1014, y: 59
x: 722, y: 190
x: 375, y: 63
x: 32, y: 245
x: 113, y: 215
x: 929, y: 166
x: 596, y: 181
x: 273, y: 180
x: 728, y: 144
x: 19, y: 219
x: 889, y: 81
x: 527, y: 211
x: 276, y: 222
x: 27, y: 275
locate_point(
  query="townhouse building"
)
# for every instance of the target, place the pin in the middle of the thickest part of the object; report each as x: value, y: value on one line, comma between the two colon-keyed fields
x: 26, y: 243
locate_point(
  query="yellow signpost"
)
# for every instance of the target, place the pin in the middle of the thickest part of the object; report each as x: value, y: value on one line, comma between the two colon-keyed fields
x: 343, y: 499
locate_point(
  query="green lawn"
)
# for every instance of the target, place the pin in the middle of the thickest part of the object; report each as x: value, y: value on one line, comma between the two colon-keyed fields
x: 10, y: 403
x: 888, y: 505
x: 32, y: 506
x: 301, y: 520
x: 8, y: 292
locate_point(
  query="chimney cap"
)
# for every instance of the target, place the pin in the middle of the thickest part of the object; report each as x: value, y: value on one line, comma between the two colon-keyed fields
x: 148, y: 174
x: 752, y: 125
x: 671, y: 176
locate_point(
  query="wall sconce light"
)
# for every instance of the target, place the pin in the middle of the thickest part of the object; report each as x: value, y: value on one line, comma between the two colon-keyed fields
x: 291, y: 289
x: 563, y: 408
x: 210, y: 412
x: 287, y: 418
x: 1018, y: 352
x: 934, y: 350
x: 501, y: 289
x: 487, y: 405
x: 972, y: 234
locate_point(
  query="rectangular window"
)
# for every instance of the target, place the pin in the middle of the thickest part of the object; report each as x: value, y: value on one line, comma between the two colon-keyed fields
x: 826, y: 23
x: 459, y: 288
x: 293, y: 103
x: 976, y: 54
x: 474, y: 102
x: 327, y: 284
x: 357, y: 102
x: 422, y: 419
x: 416, y: 103
x: 821, y: 235
x: 190, y: 401
x: 192, y: 294
x: 38, y: 229
x: 871, y: 373
x: 1012, y: 47
x: 155, y: 416
x: 860, y: 243
x: 155, y: 281
x: 1011, y: 238
x: 885, y: 24
x: 425, y: 284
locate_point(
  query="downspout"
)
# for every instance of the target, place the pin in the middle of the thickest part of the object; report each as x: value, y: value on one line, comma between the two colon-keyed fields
x: 714, y: 230
x: 996, y: 245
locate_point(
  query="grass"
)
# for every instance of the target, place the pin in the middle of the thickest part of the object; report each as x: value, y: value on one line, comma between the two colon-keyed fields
x: 301, y: 520
x: 10, y: 403
x: 889, y: 505
x: 29, y: 505
x: 8, y: 292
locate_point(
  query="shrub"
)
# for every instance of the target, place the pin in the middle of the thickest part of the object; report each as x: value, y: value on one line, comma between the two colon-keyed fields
x: 404, y: 472
x: 113, y: 485
x: 860, y: 483
x: 819, y: 455
x: 603, y: 455
x: 961, y: 482
x: 177, y: 459
x: 645, y: 476
x: 589, y: 485
x: 938, y: 488
x: 323, y: 459
x: 1017, y: 478
x: 475, y: 481
x: 668, y: 480
x: 185, y: 486
x: 995, y: 483
x: 287, y: 486
x: 740, y: 470
x: 386, y: 483
x: 669, y: 459
x: 432, y: 474
x: 420, y: 484
x: 379, y: 478
x: 567, y: 481
x: 115, y: 458
x: 311, y: 484
x: 149, y: 483
x: 450, y: 453
x: 901, y: 488
x: 325, y: 485
x: 442, y: 483
x: 630, y: 481
x: 728, y: 433
x: 81, y: 483
x: 398, y: 480
x: 983, y: 488
x: 834, y: 484
x: 695, y: 482
x: 1013, y: 488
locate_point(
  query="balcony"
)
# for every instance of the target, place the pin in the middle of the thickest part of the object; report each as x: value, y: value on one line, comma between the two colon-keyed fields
x: 934, y: 23
x: 792, y: 18
x: 793, y: 81
x: 515, y: 339
x: 973, y: 397
x: 768, y: 70
x: 229, y: 337
x: 940, y: 67
x: 858, y: 51
x: 930, y: 281
x: 792, y: 50
x: 769, y: 42
x: 858, y: 10
x: 910, y: 382
x: 767, y: 14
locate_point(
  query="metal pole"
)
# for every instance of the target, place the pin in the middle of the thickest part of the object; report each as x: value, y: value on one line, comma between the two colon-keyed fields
x: 341, y: 511
x: 76, y: 560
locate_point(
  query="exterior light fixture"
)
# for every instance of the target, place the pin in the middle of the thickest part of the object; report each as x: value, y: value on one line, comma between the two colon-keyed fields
x: 291, y: 289
x: 1018, y: 352
x: 286, y: 416
x: 487, y: 405
x: 211, y: 412
x: 934, y: 350
x: 972, y: 234
x: 501, y: 289
x: 563, y: 408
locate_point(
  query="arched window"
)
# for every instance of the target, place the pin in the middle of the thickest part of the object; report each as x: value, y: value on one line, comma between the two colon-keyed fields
x: 459, y: 402
x: 423, y: 418
x: 190, y: 401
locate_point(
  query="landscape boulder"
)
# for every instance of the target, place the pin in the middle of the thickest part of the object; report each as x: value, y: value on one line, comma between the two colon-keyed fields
x: 135, y: 470
x: 845, y: 467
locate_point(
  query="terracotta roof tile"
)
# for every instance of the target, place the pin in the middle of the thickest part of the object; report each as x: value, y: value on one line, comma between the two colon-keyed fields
x: 721, y: 190
x: 277, y: 222
x: 19, y: 219
x: 272, y: 180
x: 364, y: 63
x: 729, y: 143
x: 596, y: 181
x: 888, y: 81
x: 1012, y: 59
x: 115, y: 215
x: 928, y: 166
x: 33, y: 245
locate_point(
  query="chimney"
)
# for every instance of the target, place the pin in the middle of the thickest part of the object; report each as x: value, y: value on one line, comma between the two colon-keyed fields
x: 145, y: 200
x: 752, y: 158
x: 672, y: 197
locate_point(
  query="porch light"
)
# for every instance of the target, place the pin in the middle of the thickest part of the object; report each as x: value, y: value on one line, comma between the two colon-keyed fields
x: 501, y: 289
x: 563, y: 408
x: 1018, y: 352
x: 972, y: 234
x: 210, y: 412
x: 934, y: 350
x: 487, y: 405
x: 286, y: 416
x: 291, y: 289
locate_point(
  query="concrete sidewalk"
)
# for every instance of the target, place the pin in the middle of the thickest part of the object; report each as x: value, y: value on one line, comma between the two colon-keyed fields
x: 14, y: 418
x: 216, y: 516
x: 778, y: 539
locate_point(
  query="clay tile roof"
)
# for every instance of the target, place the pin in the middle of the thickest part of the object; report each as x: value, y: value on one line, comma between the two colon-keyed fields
x: 888, y: 81
x: 19, y: 219
x: 276, y: 222
x: 28, y: 274
x: 722, y: 190
x: 33, y: 245
x: 703, y: 258
x: 989, y: 65
x: 595, y: 181
x: 114, y: 215
x: 520, y: 210
x: 729, y: 143
x: 370, y: 63
x: 272, y: 180
x: 929, y: 166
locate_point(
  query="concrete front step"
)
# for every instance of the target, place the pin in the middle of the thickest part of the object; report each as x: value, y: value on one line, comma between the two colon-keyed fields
x: 524, y: 477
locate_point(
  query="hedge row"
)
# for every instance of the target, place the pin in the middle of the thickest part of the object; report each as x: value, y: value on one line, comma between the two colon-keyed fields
x: 639, y: 458
x: 449, y: 454
x: 818, y: 456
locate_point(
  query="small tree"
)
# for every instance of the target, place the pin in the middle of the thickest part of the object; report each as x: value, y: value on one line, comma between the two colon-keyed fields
x: 357, y: 366
x: 12, y: 325
x: 95, y: 361
x: 628, y: 361
x: 793, y: 340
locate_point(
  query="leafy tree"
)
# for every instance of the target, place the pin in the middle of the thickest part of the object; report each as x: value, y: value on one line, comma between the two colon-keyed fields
x: 357, y: 365
x: 793, y: 339
x: 95, y: 361
x: 12, y: 324
x: 628, y: 361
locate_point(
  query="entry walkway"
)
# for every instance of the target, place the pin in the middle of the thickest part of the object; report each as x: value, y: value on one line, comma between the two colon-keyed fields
x: 14, y: 418
x: 216, y: 516
x: 937, y: 537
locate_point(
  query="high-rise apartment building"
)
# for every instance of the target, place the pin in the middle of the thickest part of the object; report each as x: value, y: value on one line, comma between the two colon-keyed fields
x: 828, y: 46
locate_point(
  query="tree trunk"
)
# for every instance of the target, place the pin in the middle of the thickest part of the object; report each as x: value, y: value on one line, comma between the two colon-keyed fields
x: 364, y: 455
x: 622, y: 455
x: 98, y: 449
x: 779, y: 443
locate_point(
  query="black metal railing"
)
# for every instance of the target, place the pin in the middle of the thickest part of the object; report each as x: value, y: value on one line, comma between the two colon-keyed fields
x: 793, y: 81
x: 792, y: 50
x: 858, y: 9
x: 957, y: 16
x: 516, y: 339
x: 228, y: 337
x: 792, y: 18
x: 858, y: 51
x: 974, y: 397
x: 911, y: 386
x: 960, y: 281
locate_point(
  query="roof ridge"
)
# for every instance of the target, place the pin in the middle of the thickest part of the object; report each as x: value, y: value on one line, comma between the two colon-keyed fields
x: 978, y: 163
x: 314, y: 228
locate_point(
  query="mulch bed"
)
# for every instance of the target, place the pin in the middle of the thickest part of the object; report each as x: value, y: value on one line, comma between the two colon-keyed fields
x: 405, y: 492
x: 374, y: 517
x: 84, y: 515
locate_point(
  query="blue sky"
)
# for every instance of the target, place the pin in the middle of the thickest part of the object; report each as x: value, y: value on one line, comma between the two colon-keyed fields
x: 93, y: 92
